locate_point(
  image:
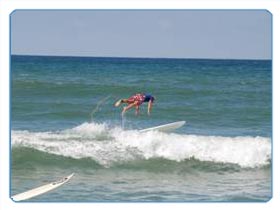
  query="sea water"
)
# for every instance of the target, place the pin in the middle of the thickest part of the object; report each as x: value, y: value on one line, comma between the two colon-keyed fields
x: 63, y: 121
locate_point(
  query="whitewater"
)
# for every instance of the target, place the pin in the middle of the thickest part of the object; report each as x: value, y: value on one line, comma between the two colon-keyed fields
x: 108, y: 146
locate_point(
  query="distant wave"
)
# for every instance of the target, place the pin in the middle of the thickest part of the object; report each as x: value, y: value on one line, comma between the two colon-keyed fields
x: 102, y: 146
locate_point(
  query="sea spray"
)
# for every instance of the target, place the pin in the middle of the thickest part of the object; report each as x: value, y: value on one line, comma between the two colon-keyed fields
x: 97, y: 107
x: 123, y: 121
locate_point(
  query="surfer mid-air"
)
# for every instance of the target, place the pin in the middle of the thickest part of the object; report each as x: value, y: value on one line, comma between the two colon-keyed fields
x: 135, y: 101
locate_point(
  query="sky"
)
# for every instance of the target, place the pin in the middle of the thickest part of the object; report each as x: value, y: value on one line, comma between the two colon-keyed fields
x: 225, y: 34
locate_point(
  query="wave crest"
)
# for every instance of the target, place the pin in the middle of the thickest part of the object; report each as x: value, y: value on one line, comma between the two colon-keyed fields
x: 109, y: 146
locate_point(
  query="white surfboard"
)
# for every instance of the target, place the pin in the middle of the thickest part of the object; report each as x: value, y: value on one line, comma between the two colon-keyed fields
x: 166, y: 128
x: 41, y: 190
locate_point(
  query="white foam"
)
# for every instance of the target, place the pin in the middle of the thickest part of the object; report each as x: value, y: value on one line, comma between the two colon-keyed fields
x: 244, y: 151
x: 108, y: 146
x: 90, y: 128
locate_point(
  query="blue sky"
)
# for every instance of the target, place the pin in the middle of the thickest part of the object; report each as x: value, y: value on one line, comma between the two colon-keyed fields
x: 227, y: 34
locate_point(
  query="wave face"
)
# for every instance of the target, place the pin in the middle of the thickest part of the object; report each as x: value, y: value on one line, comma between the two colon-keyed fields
x: 108, y: 147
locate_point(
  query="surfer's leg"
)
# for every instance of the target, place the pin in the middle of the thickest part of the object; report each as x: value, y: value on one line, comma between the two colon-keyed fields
x: 128, y: 107
x: 124, y: 101
x: 119, y: 102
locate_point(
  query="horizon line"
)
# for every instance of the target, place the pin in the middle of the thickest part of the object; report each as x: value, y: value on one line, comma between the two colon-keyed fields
x: 138, y: 57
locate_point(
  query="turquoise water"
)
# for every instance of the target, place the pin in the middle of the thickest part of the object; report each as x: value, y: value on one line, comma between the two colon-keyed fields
x: 63, y: 121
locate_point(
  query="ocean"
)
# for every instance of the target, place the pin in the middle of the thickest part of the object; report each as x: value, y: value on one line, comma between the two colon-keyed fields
x: 63, y: 121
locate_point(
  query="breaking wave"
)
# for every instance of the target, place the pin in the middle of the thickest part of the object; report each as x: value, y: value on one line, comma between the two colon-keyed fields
x: 109, y: 147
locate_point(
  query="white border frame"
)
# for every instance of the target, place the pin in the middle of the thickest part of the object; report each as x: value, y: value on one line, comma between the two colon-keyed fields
x: 8, y: 6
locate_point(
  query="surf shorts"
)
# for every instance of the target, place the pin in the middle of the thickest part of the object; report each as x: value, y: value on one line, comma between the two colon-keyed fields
x: 138, y: 98
x: 148, y: 98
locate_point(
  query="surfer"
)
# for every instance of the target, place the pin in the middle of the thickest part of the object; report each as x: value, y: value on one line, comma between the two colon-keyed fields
x: 135, y: 101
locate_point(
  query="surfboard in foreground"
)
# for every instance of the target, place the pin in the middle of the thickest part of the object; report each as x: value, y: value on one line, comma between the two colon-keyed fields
x: 42, y: 189
x: 166, y: 128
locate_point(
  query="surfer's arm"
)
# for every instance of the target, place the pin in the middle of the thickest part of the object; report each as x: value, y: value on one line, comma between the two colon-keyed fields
x: 150, y: 105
